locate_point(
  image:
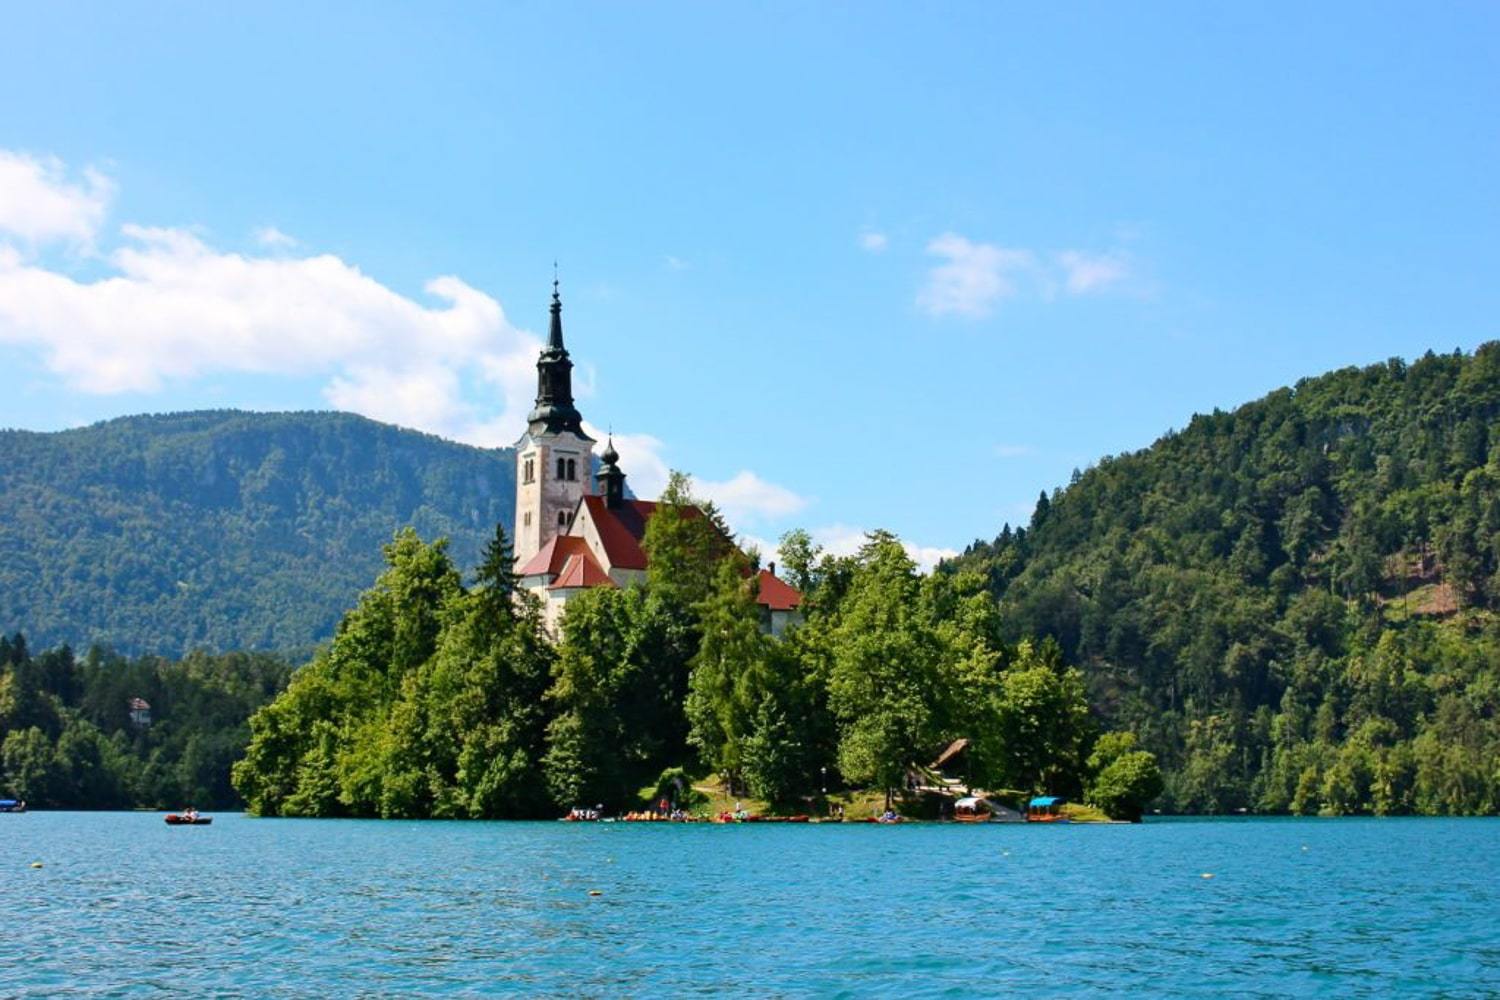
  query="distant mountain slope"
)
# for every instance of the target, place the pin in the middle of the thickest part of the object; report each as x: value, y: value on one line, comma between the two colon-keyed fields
x: 223, y: 529
x: 1295, y: 603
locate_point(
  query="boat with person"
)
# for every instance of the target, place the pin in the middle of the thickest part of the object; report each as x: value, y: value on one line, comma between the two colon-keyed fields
x: 12, y: 805
x: 188, y: 817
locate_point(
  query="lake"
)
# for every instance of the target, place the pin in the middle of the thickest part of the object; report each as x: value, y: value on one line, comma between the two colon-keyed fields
x: 126, y: 904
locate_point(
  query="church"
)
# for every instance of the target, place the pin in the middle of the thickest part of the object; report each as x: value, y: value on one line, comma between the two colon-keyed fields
x: 575, y: 530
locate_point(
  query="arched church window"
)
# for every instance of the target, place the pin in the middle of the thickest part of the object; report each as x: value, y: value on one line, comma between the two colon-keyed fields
x: 572, y: 471
x: 562, y: 519
x: 562, y: 468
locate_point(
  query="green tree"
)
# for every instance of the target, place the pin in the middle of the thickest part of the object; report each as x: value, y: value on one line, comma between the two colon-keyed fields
x: 729, y: 672
x: 1043, y: 720
x: 30, y: 767
x: 1126, y: 785
x: 885, y: 686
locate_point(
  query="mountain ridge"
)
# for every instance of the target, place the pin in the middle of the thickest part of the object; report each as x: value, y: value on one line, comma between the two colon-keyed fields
x: 224, y: 529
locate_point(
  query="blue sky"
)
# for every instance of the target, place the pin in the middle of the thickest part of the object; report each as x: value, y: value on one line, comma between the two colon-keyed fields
x: 853, y: 266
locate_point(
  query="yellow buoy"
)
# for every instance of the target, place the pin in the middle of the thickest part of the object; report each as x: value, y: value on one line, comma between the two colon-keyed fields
x: 36, y: 864
x: 1208, y: 874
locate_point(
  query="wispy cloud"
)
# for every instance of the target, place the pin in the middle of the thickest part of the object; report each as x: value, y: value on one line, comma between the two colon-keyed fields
x: 676, y: 263
x: 1086, y: 272
x: 873, y: 242
x: 1013, y: 450
x: 270, y: 236
x: 974, y: 277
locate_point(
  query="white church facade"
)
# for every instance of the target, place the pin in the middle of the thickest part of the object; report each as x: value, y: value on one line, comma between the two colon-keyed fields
x: 574, y: 530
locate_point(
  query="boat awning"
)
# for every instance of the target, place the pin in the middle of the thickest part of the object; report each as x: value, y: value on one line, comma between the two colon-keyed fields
x: 1042, y: 801
x: 8, y: 803
x: 971, y: 802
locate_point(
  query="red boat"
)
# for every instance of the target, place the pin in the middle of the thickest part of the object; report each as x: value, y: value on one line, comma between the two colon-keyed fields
x: 188, y: 819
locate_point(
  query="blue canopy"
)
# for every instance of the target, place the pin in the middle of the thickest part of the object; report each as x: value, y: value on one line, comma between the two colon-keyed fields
x: 7, y: 803
x: 1045, y: 800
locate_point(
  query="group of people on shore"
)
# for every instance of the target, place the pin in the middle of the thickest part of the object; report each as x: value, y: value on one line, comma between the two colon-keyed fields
x: 673, y: 815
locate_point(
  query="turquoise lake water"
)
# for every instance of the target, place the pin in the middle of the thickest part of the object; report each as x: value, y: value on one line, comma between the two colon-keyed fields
x: 126, y: 904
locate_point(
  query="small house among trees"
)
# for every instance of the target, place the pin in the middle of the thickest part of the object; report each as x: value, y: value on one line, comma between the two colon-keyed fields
x: 140, y: 712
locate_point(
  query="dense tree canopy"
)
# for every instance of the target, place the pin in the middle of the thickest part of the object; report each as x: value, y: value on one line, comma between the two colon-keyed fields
x: 426, y: 703
x: 68, y: 739
x: 439, y: 700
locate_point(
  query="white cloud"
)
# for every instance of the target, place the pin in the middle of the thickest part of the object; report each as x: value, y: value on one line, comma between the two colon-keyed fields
x: 676, y: 263
x: 39, y: 204
x: 424, y: 395
x: 1085, y: 272
x: 1012, y: 450
x: 747, y: 497
x: 973, y: 277
x: 270, y: 236
x: 928, y: 556
x: 175, y: 308
x: 838, y: 539
x: 873, y: 241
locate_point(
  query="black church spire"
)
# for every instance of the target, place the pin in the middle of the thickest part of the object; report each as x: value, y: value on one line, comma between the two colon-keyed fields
x: 554, y: 336
x: 554, y: 411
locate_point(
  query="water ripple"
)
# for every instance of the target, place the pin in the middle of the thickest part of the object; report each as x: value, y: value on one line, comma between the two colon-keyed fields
x: 127, y: 906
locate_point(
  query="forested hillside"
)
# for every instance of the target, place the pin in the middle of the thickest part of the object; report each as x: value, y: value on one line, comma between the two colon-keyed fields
x: 1294, y: 603
x: 223, y: 530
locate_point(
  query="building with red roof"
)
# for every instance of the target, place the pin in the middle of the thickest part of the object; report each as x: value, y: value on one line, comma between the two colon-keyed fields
x: 780, y: 602
x: 575, y: 531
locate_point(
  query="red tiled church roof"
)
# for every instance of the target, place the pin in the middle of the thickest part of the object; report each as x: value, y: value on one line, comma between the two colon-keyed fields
x: 621, y: 529
x: 776, y: 593
x: 582, y: 570
x: 550, y: 559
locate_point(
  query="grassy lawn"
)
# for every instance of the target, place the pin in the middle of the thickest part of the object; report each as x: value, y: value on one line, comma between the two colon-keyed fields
x: 1080, y: 813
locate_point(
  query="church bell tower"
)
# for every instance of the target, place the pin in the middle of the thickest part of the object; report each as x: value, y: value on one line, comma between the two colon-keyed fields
x: 554, y: 458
